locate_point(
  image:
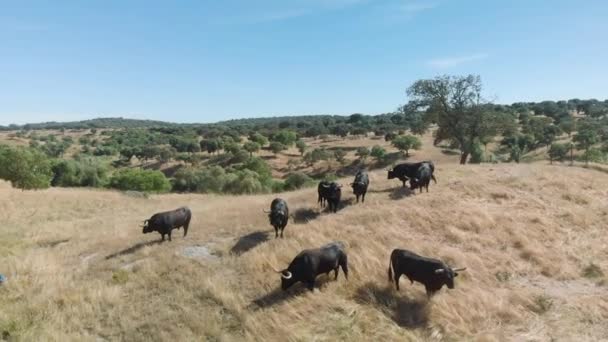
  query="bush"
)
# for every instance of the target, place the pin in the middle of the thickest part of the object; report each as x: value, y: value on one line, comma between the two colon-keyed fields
x: 558, y: 152
x: 476, y: 153
x: 277, y: 147
x: 407, y: 143
x: 378, y: 152
x: 297, y: 180
x: 340, y: 155
x: 362, y: 153
x: 140, y: 180
x: 73, y: 173
x: 25, y: 168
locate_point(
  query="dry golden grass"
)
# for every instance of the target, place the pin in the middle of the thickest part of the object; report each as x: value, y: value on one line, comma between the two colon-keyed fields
x: 79, y: 268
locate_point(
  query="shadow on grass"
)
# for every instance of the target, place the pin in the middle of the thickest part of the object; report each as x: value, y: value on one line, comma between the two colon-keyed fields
x: 305, y: 215
x: 134, y: 248
x: 51, y: 244
x: 406, y: 312
x: 277, y: 295
x: 249, y: 242
x: 400, y: 192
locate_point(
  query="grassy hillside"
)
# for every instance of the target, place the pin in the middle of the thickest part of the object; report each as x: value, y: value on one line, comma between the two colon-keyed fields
x: 532, y: 236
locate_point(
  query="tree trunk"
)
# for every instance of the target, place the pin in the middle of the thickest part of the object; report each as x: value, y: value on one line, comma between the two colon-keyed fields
x: 463, y: 157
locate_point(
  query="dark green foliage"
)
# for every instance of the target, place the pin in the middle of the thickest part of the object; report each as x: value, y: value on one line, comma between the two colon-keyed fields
x: 340, y: 154
x: 558, y: 152
x: 277, y: 147
x: 316, y: 155
x: 25, y: 168
x: 84, y: 172
x: 378, y: 152
x: 301, y: 145
x: 476, y: 153
x: 285, y: 137
x: 362, y: 153
x: 140, y: 180
x: 586, y: 137
x: 251, y: 147
x: 258, y: 138
x: 297, y: 180
x: 407, y: 143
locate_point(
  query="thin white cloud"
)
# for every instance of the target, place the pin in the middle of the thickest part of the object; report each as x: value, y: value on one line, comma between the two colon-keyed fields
x: 449, y: 62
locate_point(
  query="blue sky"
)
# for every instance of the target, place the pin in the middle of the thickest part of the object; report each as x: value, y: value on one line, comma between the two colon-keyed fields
x: 210, y: 60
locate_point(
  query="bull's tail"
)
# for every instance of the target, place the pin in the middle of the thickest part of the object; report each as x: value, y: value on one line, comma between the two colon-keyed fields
x: 390, y: 269
x: 433, y: 178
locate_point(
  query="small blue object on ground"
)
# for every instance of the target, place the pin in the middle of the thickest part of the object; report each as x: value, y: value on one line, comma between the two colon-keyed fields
x: 2, y: 279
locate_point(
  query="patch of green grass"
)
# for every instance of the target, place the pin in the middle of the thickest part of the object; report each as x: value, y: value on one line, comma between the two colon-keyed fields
x: 120, y: 277
x: 592, y: 271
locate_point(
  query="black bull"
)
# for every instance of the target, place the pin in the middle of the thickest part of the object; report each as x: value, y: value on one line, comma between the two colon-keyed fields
x: 330, y: 192
x: 405, y: 171
x: 310, y: 263
x: 278, y: 215
x: 166, y: 221
x: 431, y: 273
x: 360, y: 185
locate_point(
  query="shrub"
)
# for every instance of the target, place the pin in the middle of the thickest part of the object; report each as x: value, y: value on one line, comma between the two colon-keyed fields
x: 407, y: 143
x: 378, y: 152
x: 558, y: 152
x: 592, y: 271
x: 476, y: 153
x: 84, y: 172
x: 277, y: 147
x: 297, y: 180
x: 362, y: 153
x: 340, y: 155
x: 25, y: 168
x: 140, y: 180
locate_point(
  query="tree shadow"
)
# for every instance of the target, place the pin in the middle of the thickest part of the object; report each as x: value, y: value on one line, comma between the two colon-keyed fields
x: 249, y: 242
x: 400, y: 192
x: 405, y: 311
x: 450, y: 152
x: 305, y: 215
x: 133, y: 248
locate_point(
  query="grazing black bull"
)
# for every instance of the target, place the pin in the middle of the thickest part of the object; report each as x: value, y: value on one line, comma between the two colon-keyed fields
x: 360, y: 185
x: 310, y: 263
x: 166, y: 221
x: 278, y: 215
x: 432, y: 273
x: 405, y: 171
x: 330, y: 192
x: 422, y: 178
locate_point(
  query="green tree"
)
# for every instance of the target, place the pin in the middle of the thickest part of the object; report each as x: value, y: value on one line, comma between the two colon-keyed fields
x: 297, y: 180
x: 276, y: 147
x: 301, y: 145
x: 340, y: 155
x: 585, y: 138
x: 25, y: 168
x: 407, y: 143
x: 455, y: 104
x: 140, y: 180
x: 558, y: 152
x: 251, y: 147
x: 258, y: 138
x: 378, y: 152
x: 285, y: 137
x: 362, y: 153
x: 568, y: 126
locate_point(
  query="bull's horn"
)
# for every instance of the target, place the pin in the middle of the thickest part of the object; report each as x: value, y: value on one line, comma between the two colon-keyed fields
x: 266, y: 212
x: 325, y: 185
x: 287, y: 275
x: 274, y: 269
x: 439, y: 270
x: 459, y: 269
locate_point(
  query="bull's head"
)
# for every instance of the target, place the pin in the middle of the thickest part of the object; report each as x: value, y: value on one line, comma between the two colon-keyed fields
x: 287, y: 279
x: 146, y: 226
x: 391, y: 174
x: 413, y: 183
x: 448, y: 275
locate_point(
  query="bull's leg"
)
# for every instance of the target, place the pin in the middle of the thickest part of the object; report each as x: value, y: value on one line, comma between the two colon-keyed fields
x: 162, y: 236
x: 363, y: 198
x: 397, y: 276
x: 282, y: 229
x: 310, y: 285
x: 344, y: 265
x: 276, y: 232
x: 186, y: 228
x: 169, y: 235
